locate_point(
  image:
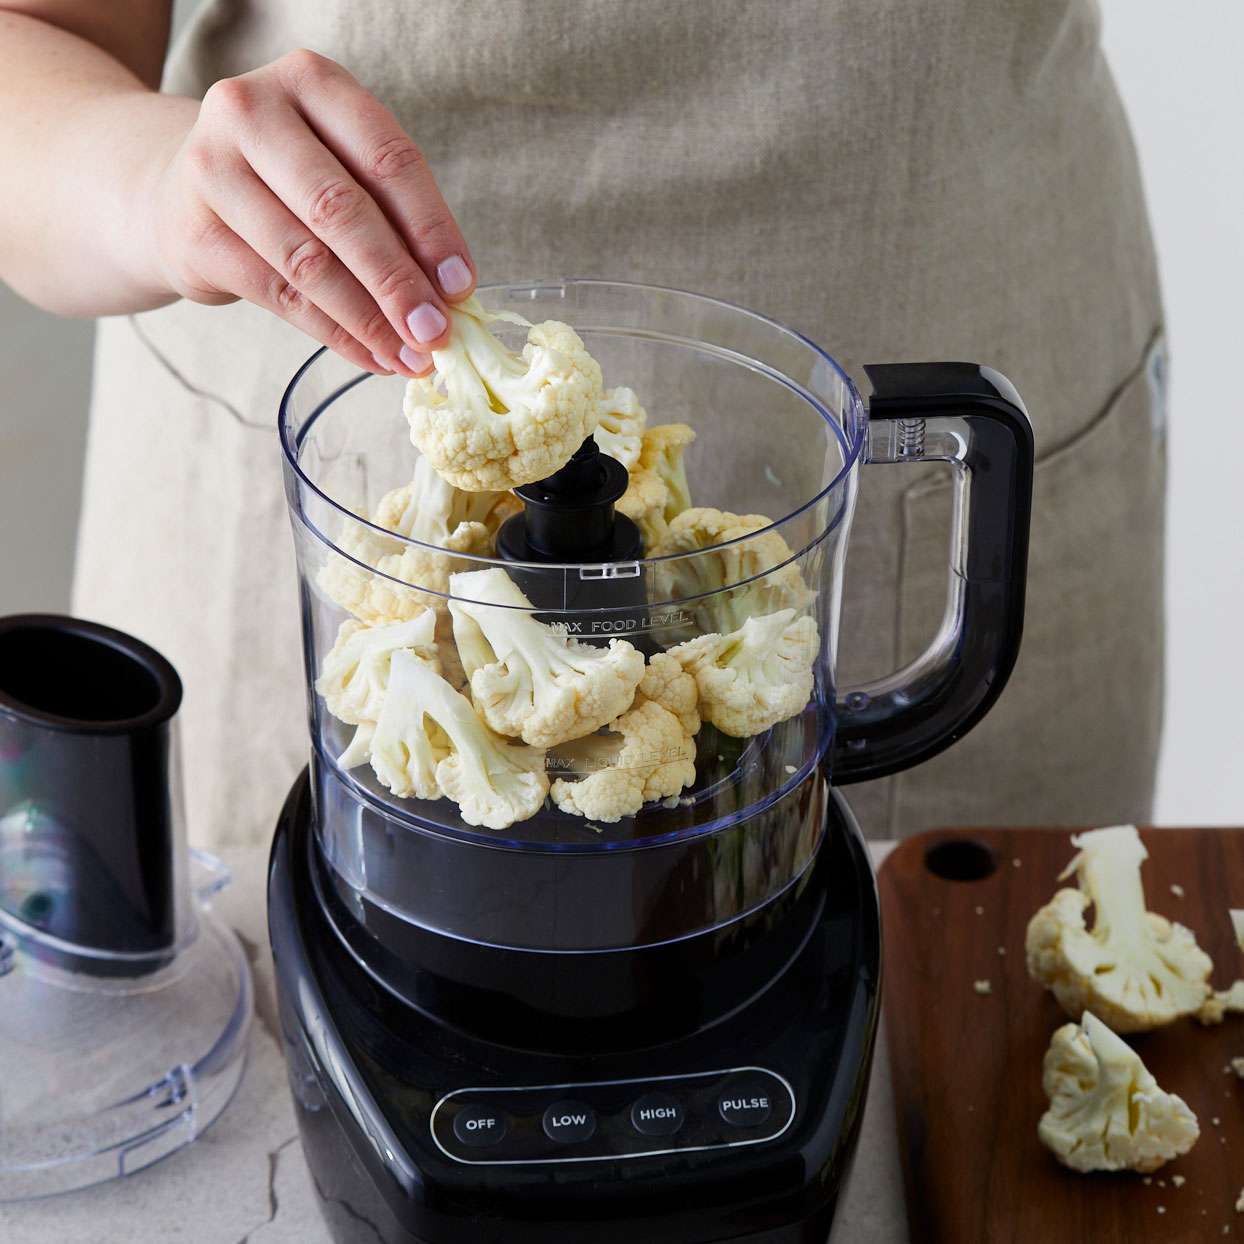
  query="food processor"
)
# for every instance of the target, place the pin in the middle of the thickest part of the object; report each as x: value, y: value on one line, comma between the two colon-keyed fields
x: 658, y: 1026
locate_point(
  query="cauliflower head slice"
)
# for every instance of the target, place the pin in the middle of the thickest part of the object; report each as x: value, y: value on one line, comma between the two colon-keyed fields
x: 1135, y: 969
x: 655, y: 761
x: 428, y: 510
x: 755, y: 677
x: 429, y: 743
x: 537, y: 683
x: 489, y: 419
x: 742, y: 578
x: 658, y: 490
x: 620, y: 426
x: 354, y: 675
x: 1106, y: 1110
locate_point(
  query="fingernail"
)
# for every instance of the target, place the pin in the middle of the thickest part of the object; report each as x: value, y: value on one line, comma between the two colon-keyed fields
x: 384, y: 363
x: 413, y: 359
x: 426, y: 322
x: 454, y: 275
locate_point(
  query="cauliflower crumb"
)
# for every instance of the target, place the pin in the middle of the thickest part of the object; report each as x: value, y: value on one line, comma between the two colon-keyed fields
x: 1177, y: 891
x: 1161, y: 1209
x: 1221, y: 1003
x: 983, y: 986
x: 1001, y: 950
x: 980, y: 911
x: 1216, y: 1121
x: 1237, y: 1065
x: 1178, y: 1181
x: 1148, y: 1179
x: 1161, y: 1183
x: 1239, y: 1203
x: 790, y: 769
x: 1015, y: 863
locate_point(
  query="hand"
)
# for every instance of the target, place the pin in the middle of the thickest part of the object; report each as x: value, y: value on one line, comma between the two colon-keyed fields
x: 297, y: 190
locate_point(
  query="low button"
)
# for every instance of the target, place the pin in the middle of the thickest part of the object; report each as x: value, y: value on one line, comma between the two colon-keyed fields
x: 479, y: 1126
x: 569, y: 1122
x: 657, y: 1114
x: 747, y: 1103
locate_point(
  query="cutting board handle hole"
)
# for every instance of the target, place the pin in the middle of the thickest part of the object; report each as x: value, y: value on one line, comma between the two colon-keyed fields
x: 960, y: 859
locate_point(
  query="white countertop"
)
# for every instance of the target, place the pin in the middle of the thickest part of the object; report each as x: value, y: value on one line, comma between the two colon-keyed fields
x: 245, y: 1182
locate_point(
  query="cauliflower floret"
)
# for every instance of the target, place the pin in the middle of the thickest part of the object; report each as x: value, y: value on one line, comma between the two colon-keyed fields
x: 1107, y: 1112
x: 537, y: 683
x: 407, y: 744
x: 433, y: 512
x: 658, y: 490
x: 656, y: 760
x: 756, y: 676
x: 620, y: 429
x: 430, y: 511
x: 429, y: 742
x: 666, y: 683
x: 760, y: 573
x: 1135, y: 969
x: 501, y: 420
x: 355, y: 674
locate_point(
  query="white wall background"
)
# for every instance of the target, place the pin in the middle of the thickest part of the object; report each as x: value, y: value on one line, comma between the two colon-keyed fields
x: 1178, y: 68
x: 1179, y: 71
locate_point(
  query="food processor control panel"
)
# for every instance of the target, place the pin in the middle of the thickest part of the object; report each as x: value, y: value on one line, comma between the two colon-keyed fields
x: 613, y: 1119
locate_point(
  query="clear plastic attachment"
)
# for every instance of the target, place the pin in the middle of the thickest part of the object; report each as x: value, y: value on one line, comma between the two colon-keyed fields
x: 124, y: 1006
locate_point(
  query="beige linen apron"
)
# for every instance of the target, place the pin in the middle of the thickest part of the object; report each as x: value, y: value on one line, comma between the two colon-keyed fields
x: 905, y: 179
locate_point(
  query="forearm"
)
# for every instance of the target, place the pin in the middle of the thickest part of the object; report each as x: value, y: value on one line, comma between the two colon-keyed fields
x: 82, y: 142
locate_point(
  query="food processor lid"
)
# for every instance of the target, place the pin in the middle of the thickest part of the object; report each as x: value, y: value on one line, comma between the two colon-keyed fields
x: 124, y: 1006
x: 102, y: 1072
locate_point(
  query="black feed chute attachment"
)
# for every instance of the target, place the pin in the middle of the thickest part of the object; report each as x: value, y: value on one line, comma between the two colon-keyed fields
x: 592, y: 552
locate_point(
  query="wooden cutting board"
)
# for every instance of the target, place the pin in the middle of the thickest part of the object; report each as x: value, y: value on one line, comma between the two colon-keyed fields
x: 967, y: 1066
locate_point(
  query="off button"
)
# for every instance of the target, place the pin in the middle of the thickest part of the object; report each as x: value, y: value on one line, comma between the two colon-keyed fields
x: 569, y: 1122
x: 479, y: 1126
x: 746, y: 1103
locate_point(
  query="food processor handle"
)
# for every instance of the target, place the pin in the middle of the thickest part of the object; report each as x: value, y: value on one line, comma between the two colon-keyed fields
x: 972, y: 418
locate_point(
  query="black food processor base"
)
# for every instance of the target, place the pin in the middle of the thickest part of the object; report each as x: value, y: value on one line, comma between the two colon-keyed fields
x: 417, y: 1132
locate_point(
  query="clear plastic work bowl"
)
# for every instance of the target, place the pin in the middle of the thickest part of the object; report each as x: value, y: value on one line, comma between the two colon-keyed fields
x: 779, y: 430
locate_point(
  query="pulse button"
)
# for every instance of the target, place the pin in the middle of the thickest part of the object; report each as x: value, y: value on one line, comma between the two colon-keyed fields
x: 479, y: 1126
x: 746, y: 1103
x: 657, y: 1114
x: 569, y: 1122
